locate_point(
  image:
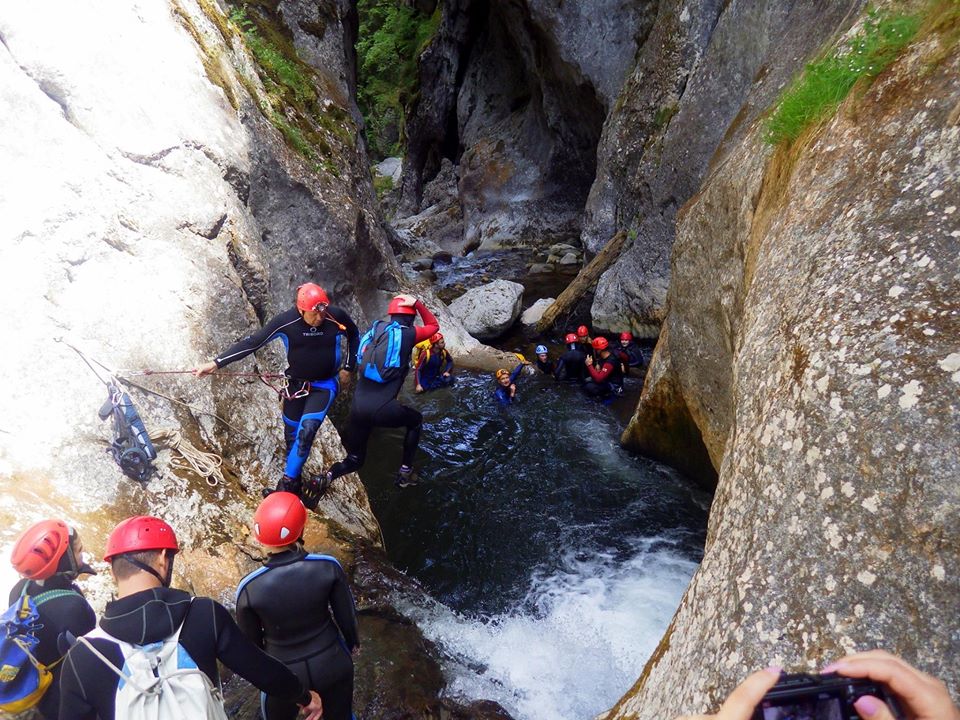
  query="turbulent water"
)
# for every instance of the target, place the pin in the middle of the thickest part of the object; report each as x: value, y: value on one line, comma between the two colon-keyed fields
x: 556, y: 559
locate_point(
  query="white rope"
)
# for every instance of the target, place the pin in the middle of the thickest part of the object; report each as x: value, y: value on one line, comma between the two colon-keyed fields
x: 205, y: 464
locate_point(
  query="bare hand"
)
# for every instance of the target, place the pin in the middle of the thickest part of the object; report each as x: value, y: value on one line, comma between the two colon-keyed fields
x: 345, y: 378
x: 313, y: 711
x: 446, y: 374
x: 922, y: 696
x: 407, y: 300
x: 205, y: 369
x: 745, y: 697
x: 588, y: 360
x: 419, y: 388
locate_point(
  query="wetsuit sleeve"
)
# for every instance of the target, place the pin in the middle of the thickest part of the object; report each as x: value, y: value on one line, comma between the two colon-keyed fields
x: 250, y: 343
x: 344, y: 612
x: 248, y: 620
x: 353, y: 340
x: 416, y: 368
x: 516, y: 373
x: 430, y: 325
x: 602, y: 374
x: 73, y: 703
x: 251, y: 663
x: 449, y: 364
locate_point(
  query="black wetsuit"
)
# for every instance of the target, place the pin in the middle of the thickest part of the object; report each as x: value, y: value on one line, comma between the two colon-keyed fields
x: 88, y: 687
x: 313, y: 358
x: 285, y: 608
x: 571, y: 366
x: 606, y: 377
x: 58, y: 615
x: 375, y: 404
x: 633, y: 352
x: 548, y: 367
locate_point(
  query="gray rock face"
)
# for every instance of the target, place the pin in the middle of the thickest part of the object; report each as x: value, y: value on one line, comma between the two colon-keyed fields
x: 515, y: 94
x: 489, y: 310
x: 814, y: 335
x: 148, y: 225
x: 704, y: 64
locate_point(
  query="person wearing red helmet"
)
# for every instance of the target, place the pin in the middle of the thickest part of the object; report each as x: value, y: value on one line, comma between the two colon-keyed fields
x: 147, y: 611
x: 570, y: 367
x: 375, y: 402
x: 434, y: 366
x: 606, y: 371
x: 298, y: 607
x: 49, y: 557
x: 311, y: 332
x: 583, y: 337
x: 630, y: 351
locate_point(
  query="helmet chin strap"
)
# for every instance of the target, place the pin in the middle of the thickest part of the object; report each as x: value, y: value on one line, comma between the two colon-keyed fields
x: 165, y: 581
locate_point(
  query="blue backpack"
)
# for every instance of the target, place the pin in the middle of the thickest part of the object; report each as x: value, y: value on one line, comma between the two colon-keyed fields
x: 23, y: 678
x: 379, y: 353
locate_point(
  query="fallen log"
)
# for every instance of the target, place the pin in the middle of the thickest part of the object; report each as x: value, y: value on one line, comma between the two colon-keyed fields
x: 584, y: 280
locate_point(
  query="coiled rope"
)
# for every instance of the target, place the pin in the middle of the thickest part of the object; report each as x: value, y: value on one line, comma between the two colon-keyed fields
x: 207, y: 465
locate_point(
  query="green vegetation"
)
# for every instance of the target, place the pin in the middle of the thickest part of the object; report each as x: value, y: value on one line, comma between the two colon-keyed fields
x: 391, y: 38
x: 382, y: 184
x: 291, y: 102
x: 825, y: 83
x: 664, y: 115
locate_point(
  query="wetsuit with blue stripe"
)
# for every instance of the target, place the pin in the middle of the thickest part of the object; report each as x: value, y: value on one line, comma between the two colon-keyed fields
x: 314, y: 357
x: 502, y: 394
x: 298, y: 607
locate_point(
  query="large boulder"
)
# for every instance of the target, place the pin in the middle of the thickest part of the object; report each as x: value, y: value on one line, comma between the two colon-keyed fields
x: 489, y: 310
x: 532, y: 315
x: 813, y: 337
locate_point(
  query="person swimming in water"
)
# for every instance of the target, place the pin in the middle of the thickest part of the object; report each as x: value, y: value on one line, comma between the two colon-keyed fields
x: 433, y: 367
x: 506, y: 391
x: 544, y: 363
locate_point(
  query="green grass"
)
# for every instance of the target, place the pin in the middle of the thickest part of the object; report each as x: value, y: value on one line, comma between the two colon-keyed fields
x: 382, y: 184
x: 392, y: 36
x: 825, y: 83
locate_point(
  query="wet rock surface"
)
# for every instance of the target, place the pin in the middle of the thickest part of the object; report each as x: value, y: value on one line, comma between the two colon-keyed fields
x: 704, y: 65
x: 813, y: 335
x: 489, y: 310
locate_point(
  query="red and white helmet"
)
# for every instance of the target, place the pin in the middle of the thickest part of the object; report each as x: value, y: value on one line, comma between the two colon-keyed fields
x: 583, y: 331
x: 279, y: 520
x: 600, y: 343
x: 311, y: 298
x: 570, y: 338
x: 38, y: 550
x: 435, y: 338
x: 626, y: 336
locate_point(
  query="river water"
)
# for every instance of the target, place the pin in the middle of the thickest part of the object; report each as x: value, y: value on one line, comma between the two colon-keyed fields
x: 554, y: 560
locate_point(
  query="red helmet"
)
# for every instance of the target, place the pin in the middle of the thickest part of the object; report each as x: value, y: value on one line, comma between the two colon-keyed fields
x: 570, y: 338
x: 279, y: 520
x: 140, y: 533
x: 309, y: 296
x: 435, y: 338
x: 39, y: 549
x: 583, y: 331
x: 399, y: 306
x: 626, y: 336
x: 600, y: 343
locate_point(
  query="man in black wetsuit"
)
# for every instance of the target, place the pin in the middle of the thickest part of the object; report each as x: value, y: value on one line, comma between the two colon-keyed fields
x: 141, y: 552
x: 375, y: 403
x: 48, y: 557
x: 570, y: 366
x: 606, y: 372
x: 311, y: 333
x: 285, y: 607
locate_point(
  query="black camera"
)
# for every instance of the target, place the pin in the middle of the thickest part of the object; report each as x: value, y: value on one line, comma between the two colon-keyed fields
x: 820, y: 697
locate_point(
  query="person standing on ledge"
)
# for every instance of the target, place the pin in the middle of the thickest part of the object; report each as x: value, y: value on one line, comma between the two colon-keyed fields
x: 384, y: 361
x: 311, y: 333
x: 298, y: 607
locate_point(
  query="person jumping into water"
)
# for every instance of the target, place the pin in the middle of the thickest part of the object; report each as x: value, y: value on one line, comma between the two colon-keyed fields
x: 384, y: 361
x: 311, y: 332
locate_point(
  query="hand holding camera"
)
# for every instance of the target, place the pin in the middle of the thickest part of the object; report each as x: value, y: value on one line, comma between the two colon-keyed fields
x: 873, y: 685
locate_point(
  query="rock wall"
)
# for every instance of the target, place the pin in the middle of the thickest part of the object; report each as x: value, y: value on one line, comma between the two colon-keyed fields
x: 514, y: 94
x: 814, y: 336
x: 706, y: 70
